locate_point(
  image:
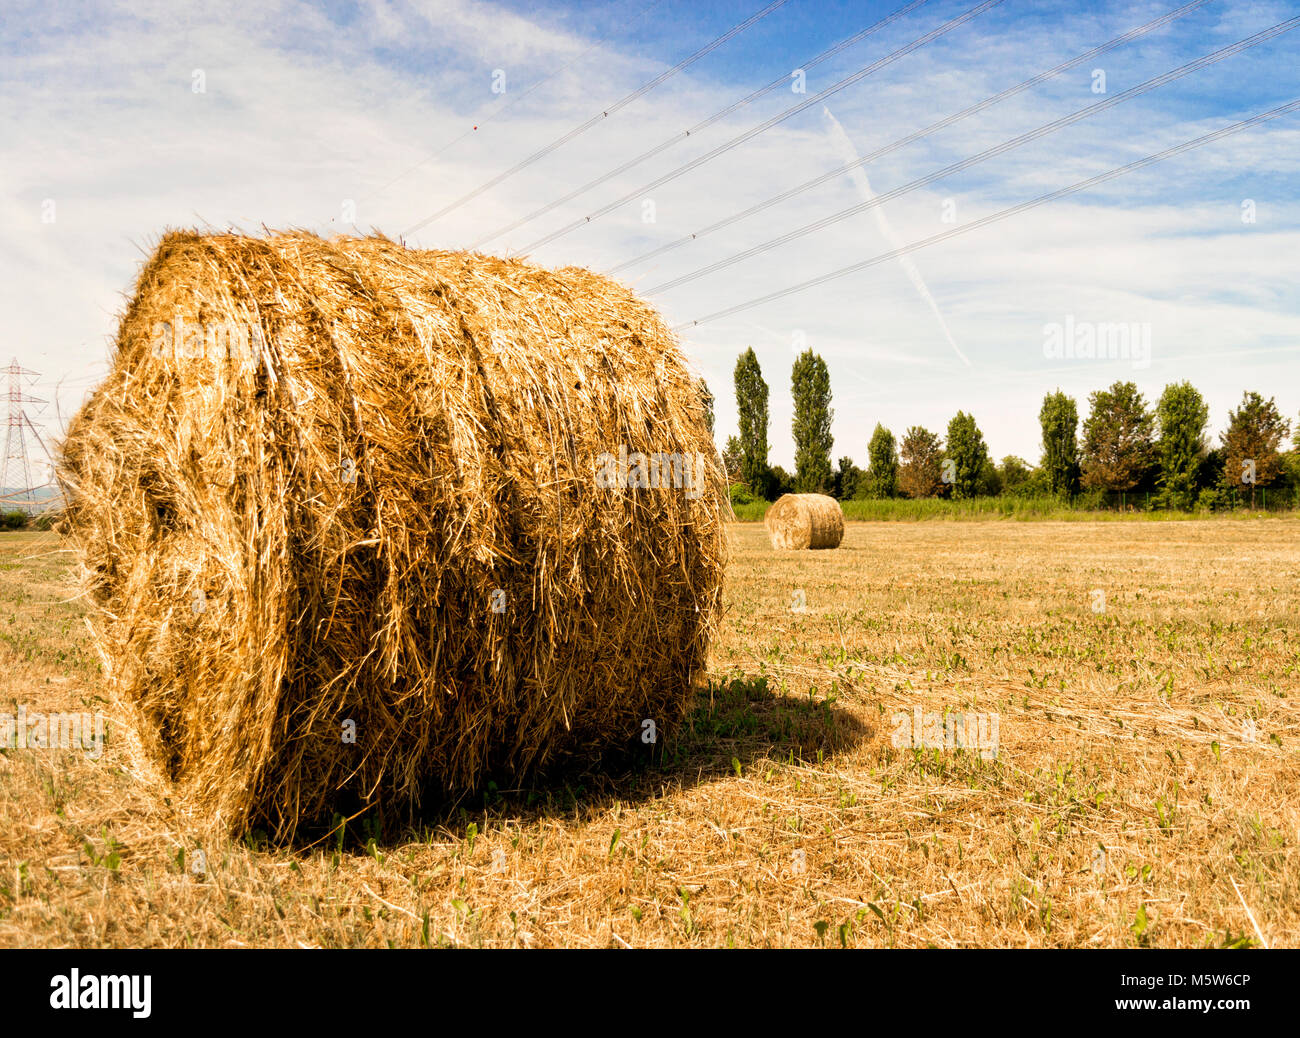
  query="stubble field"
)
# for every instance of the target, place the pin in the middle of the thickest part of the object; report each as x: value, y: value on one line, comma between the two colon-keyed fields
x: 1141, y: 679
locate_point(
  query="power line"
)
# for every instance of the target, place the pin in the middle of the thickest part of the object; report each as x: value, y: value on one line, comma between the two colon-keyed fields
x: 734, y: 142
x: 942, y: 124
x: 780, y: 81
x: 957, y: 167
x: 995, y: 217
x: 502, y: 109
x: 584, y: 127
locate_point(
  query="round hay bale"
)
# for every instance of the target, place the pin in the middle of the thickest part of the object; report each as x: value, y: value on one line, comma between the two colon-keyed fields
x: 798, y: 521
x: 367, y: 524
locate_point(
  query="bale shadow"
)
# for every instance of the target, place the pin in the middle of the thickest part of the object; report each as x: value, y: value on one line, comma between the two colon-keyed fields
x: 733, y: 725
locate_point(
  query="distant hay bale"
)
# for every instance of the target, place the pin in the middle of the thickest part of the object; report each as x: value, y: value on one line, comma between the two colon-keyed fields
x: 798, y: 521
x: 367, y: 524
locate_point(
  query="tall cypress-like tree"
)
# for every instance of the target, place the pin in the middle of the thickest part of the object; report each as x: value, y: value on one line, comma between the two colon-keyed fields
x: 1059, y: 419
x: 882, y: 460
x: 1182, y: 413
x: 810, y: 383
x: 969, y: 455
x: 751, y: 408
x: 1118, y: 448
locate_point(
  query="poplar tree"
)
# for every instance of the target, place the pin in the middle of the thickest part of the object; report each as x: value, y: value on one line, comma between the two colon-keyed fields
x: 1059, y: 419
x: 969, y: 455
x: 811, y: 388
x: 882, y: 461
x: 1182, y: 413
x: 751, y: 409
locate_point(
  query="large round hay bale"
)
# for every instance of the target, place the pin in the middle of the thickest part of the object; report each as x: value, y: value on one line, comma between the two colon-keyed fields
x: 798, y: 521
x: 367, y: 523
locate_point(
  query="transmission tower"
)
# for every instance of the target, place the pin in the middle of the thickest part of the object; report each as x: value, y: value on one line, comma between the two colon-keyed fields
x: 17, y: 491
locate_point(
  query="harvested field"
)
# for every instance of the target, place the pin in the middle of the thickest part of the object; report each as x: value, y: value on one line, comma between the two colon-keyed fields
x: 1142, y: 793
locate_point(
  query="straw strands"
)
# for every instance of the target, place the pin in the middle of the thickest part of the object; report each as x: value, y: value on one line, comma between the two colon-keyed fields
x: 338, y: 505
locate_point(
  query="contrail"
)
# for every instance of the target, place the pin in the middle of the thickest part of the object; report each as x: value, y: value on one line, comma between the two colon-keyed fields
x: 859, y: 177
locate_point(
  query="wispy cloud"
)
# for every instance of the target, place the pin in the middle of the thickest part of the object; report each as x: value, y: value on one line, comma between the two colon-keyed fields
x: 848, y: 154
x: 305, y: 108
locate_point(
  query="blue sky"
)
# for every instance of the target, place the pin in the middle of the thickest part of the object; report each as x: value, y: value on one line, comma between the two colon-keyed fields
x: 309, y: 112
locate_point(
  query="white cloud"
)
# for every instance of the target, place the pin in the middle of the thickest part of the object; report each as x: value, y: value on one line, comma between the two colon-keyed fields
x: 302, y: 112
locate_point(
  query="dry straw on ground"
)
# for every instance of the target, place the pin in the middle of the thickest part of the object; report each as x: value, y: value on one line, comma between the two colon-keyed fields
x: 1143, y: 792
x: 344, y: 481
x: 798, y: 521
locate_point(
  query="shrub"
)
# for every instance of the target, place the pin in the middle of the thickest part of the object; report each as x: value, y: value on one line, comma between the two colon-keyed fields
x: 741, y: 495
x: 779, y: 482
x: 1093, y: 500
x: 1211, y: 499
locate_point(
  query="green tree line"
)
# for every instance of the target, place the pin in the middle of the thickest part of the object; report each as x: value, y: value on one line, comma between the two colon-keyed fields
x: 1124, y: 446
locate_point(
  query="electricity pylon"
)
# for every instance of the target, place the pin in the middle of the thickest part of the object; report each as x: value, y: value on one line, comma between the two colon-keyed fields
x: 16, y: 487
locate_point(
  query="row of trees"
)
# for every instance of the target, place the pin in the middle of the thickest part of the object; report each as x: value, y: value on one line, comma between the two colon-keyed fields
x: 746, y: 455
x: 20, y: 520
x: 1125, y: 446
